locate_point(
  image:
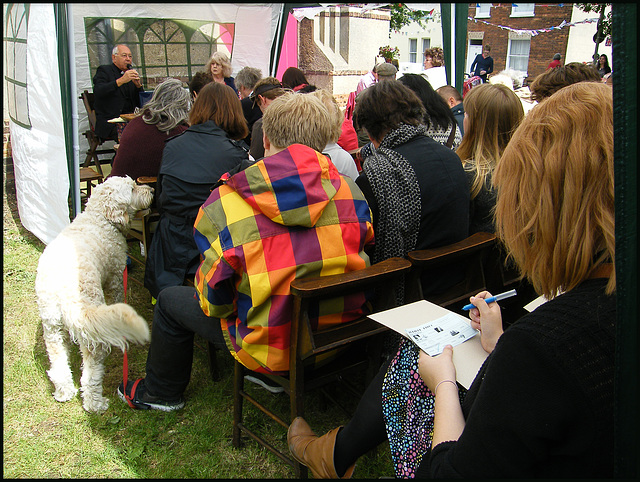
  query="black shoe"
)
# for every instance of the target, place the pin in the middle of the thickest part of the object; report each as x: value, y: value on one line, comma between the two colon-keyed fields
x: 136, y: 395
x: 264, y: 382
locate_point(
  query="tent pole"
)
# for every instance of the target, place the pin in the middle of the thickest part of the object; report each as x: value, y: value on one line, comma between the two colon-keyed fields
x: 74, y: 110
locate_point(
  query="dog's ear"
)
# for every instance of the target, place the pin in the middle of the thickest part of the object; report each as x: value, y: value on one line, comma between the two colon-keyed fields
x: 117, y: 200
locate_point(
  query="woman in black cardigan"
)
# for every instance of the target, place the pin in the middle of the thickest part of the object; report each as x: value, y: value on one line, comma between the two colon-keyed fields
x: 542, y: 403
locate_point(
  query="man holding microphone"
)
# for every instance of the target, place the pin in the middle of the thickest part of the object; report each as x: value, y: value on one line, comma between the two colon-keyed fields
x: 116, y: 89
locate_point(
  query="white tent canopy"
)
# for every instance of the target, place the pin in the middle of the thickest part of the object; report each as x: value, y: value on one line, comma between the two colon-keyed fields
x: 39, y: 155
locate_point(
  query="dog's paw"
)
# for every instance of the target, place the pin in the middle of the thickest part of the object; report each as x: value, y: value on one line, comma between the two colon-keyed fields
x: 64, y: 394
x: 99, y: 404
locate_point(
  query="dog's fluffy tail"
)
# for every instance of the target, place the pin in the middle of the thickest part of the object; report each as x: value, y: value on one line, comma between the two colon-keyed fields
x: 115, y: 325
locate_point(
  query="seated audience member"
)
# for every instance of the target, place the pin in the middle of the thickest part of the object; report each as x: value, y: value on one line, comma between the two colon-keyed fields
x: 192, y: 163
x: 492, y: 114
x: 293, y: 78
x: 288, y: 215
x: 602, y: 65
x: 434, y: 70
x: 545, y: 395
x: 116, y: 90
x: 551, y: 81
x: 198, y: 81
x: 245, y: 81
x: 264, y: 92
x: 220, y: 67
x: 367, y: 80
x: 454, y: 100
x: 384, y: 72
x: 144, y: 137
x: 340, y: 158
x: 555, y: 62
x: 416, y: 188
x: 441, y: 124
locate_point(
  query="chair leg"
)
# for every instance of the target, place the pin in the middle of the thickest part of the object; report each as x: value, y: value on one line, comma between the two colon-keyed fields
x: 296, y: 401
x: 238, y: 386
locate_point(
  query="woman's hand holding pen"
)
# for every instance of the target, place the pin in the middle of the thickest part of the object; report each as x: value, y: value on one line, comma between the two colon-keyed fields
x: 486, y: 318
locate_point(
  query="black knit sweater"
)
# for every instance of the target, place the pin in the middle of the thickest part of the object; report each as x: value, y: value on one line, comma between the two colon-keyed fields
x: 542, y: 404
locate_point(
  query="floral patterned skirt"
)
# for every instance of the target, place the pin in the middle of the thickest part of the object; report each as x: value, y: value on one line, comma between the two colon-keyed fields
x: 408, y: 406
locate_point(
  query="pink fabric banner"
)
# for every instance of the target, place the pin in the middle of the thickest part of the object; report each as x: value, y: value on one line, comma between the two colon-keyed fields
x: 289, y: 52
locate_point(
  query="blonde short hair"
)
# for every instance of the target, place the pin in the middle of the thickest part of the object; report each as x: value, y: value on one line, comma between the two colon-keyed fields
x: 297, y: 119
x: 222, y: 60
x: 555, y: 209
x: 335, y: 113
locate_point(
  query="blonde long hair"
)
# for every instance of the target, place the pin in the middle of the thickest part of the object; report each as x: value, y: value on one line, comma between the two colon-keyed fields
x: 494, y: 112
x: 555, y: 207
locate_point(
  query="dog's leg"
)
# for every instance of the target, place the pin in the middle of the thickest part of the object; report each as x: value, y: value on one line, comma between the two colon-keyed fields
x: 60, y: 372
x: 91, y: 381
x: 113, y: 289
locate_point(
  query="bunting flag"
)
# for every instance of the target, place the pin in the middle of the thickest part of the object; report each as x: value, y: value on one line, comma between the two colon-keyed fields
x: 533, y: 33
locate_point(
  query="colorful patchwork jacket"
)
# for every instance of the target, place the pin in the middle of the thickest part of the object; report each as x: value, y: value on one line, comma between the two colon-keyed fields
x: 287, y: 216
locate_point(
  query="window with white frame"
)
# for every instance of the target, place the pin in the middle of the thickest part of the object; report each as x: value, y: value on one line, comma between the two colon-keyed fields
x: 518, y: 54
x: 413, y: 50
x: 522, y: 9
x: 483, y: 10
x: 15, y: 62
x: 426, y: 44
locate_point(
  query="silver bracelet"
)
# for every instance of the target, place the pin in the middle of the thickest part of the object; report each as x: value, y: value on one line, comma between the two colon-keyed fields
x: 435, y: 392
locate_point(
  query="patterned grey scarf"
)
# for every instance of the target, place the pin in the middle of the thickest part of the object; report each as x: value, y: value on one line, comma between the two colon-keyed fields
x: 397, y: 193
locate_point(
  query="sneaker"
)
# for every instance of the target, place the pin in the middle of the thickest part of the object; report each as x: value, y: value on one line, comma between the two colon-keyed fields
x: 143, y: 401
x: 265, y: 383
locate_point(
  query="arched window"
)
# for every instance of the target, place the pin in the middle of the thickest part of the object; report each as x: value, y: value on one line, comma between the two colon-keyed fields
x: 15, y: 59
x: 161, y: 48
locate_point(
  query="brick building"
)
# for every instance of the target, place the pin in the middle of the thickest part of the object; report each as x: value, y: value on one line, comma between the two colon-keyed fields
x: 519, y: 51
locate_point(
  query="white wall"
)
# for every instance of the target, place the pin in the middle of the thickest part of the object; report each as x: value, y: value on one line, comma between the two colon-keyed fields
x: 580, y: 45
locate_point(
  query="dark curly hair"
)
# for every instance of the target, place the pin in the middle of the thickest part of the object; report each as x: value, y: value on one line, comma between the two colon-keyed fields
x: 384, y: 106
x: 551, y: 81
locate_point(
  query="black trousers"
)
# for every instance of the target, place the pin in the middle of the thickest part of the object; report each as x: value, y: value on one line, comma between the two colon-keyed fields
x: 176, y: 319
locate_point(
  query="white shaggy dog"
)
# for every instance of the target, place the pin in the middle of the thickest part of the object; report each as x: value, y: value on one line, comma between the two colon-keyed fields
x: 79, y: 288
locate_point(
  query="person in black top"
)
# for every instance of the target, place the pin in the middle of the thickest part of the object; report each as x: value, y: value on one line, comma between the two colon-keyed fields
x: 116, y: 90
x: 483, y: 64
x: 542, y: 402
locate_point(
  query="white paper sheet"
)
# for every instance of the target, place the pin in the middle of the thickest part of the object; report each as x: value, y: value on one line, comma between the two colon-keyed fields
x: 468, y: 356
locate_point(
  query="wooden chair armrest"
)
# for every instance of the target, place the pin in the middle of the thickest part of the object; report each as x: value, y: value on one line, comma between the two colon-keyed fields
x: 341, y: 283
x: 147, y: 180
x: 469, y: 245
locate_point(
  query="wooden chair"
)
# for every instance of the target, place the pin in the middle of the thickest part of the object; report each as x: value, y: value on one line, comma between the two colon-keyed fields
x: 469, y: 256
x: 88, y: 176
x: 93, y: 152
x: 143, y: 224
x: 307, y: 344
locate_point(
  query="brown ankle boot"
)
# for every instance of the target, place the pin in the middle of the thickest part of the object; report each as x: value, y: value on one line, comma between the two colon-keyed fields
x: 313, y: 451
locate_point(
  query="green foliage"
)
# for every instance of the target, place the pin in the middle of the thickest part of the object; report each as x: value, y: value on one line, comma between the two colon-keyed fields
x: 388, y: 52
x: 402, y: 15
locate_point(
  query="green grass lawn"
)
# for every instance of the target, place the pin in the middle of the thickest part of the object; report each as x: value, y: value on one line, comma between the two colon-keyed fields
x: 47, y: 439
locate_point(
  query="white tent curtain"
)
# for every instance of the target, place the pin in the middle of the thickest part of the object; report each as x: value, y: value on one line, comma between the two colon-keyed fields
x: 39, y: 155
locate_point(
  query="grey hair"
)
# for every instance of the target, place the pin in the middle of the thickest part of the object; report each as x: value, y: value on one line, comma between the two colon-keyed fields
x: 115, y: 50
x: 248, y: 77
x: 168, y: 107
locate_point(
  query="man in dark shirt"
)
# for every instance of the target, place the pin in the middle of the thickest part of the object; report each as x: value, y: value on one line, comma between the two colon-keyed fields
x: 116, y: 89
x: 483, y: 64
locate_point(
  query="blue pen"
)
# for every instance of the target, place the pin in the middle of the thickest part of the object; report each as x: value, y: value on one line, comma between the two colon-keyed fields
x: 491, y: 299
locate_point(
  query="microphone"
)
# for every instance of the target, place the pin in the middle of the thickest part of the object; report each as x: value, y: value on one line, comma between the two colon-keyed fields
x: 129, y: 66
